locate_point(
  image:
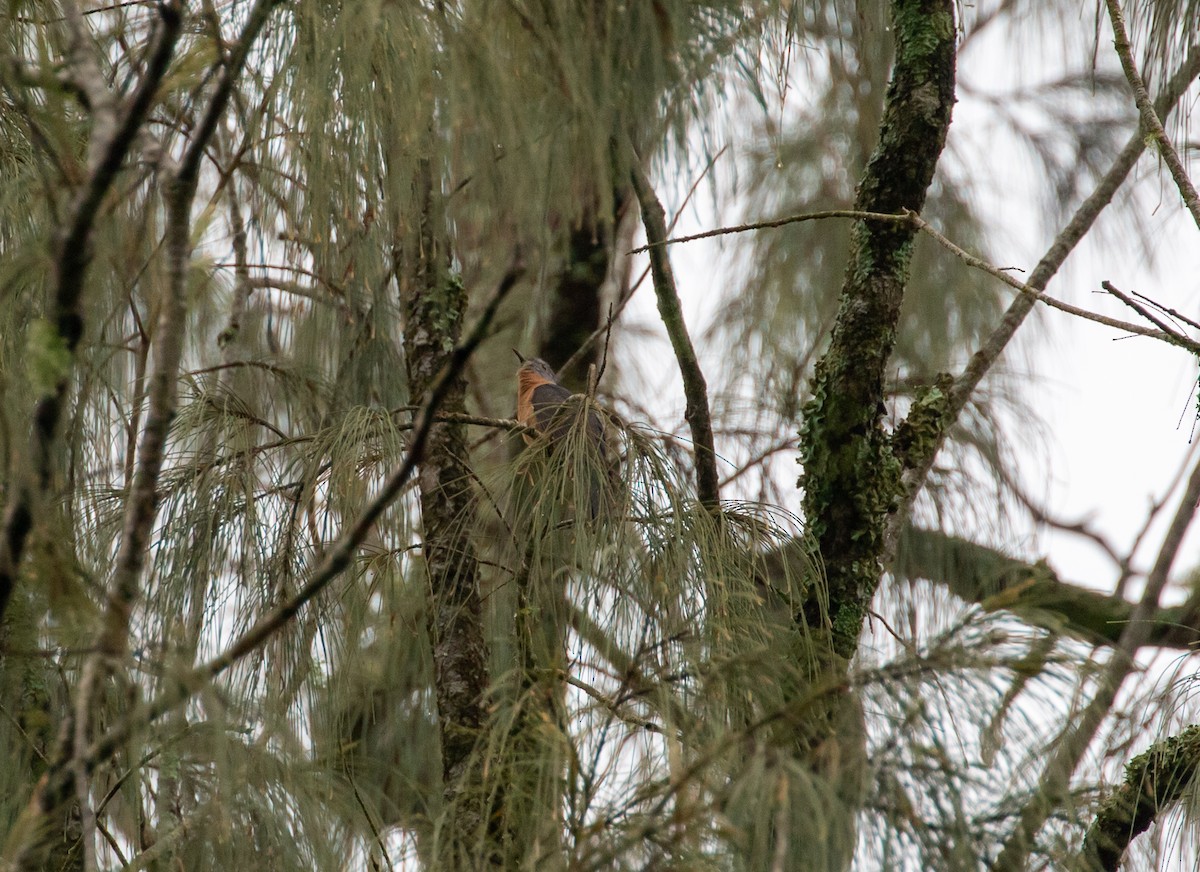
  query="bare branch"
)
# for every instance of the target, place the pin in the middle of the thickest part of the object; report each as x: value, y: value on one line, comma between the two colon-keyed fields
x: 1071, y: 745
x: 1175, y: 336
x: 296, y: 289
x: 169, y: 336
x: 1165, y: 332
x: 765, y: 454
x: 1150, y: 120
x: 1080, y: 224
x: 778, y: 222
x: 112, y: 639
x: 695, y: 388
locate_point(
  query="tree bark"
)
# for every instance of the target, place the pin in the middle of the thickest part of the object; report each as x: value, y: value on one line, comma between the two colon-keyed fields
x: 434, y: 305
x: 1154, y: 782
x: 851, y: 476
x: 575, y: 300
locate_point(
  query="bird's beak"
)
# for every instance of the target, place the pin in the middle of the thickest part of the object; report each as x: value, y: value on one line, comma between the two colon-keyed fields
x: 518, y: 354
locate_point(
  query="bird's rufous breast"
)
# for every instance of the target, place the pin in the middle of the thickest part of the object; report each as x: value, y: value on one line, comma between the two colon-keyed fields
x: 527, y: 381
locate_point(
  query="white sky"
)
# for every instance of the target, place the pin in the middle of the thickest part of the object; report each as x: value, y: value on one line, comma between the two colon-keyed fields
x: 1117, y: 413
x: 1111, y: 407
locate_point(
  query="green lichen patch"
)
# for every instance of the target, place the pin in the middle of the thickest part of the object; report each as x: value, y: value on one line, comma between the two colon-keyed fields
x: 48, y: 357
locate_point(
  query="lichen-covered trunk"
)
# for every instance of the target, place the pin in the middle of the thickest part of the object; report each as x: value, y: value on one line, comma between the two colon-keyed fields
x: 851, y: 476
x: 434, y: 305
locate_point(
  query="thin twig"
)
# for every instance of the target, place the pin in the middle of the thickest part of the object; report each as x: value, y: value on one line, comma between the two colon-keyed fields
x: 604, y: 329
x: 231, y: 70
x: 782, y: 445
x: 1147, y: 314
x: 607, y: 342
x: 1168, y: 310
x: 58, y: 781
x: 1156, y: 506
x: 993, y: 346
x: 777, y: 222
x: 1165, y: 333
x: 242, y: 287
x: 612, y: 706
x: 112, y: 843
x: 1150, y: 120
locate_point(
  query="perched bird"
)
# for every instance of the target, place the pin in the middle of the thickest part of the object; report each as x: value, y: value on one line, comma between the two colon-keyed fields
x: 542, y: 405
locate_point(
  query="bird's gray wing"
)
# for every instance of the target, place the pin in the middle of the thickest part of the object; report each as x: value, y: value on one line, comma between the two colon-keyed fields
x: 555, y: 416
x: 549, y: 414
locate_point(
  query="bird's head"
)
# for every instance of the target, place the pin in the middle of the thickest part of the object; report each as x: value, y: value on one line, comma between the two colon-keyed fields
x: 535, y: 366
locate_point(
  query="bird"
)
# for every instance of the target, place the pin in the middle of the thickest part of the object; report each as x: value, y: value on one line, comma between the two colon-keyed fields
x: 543, y: 406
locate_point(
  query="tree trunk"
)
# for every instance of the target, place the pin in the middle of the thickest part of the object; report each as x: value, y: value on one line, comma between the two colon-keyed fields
x: 851, y: 476
x: 434, y: 305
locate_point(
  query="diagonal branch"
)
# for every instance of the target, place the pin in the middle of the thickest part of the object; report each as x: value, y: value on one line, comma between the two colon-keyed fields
x: 189, y: 166
x: 112, y: 143
x: 695, y: 388
x: 59, y: 781
x: 1146, y: 312
x: 1150, y: 120
x: 918, y: 464
x: 1154, y: 781
x: 1072, y: 744
x: 1078, y: 227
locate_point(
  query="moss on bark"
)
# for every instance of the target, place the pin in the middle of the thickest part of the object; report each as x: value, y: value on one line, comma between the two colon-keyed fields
x: 435, y: 305
x: 1154, y: 782
x: 851, y: 474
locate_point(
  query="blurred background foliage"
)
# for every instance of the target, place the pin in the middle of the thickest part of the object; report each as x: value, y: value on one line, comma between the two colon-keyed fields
x: 647, y: 670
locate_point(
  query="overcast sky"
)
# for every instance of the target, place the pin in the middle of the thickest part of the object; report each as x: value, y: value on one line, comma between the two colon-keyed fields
x: 1116, y: 412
